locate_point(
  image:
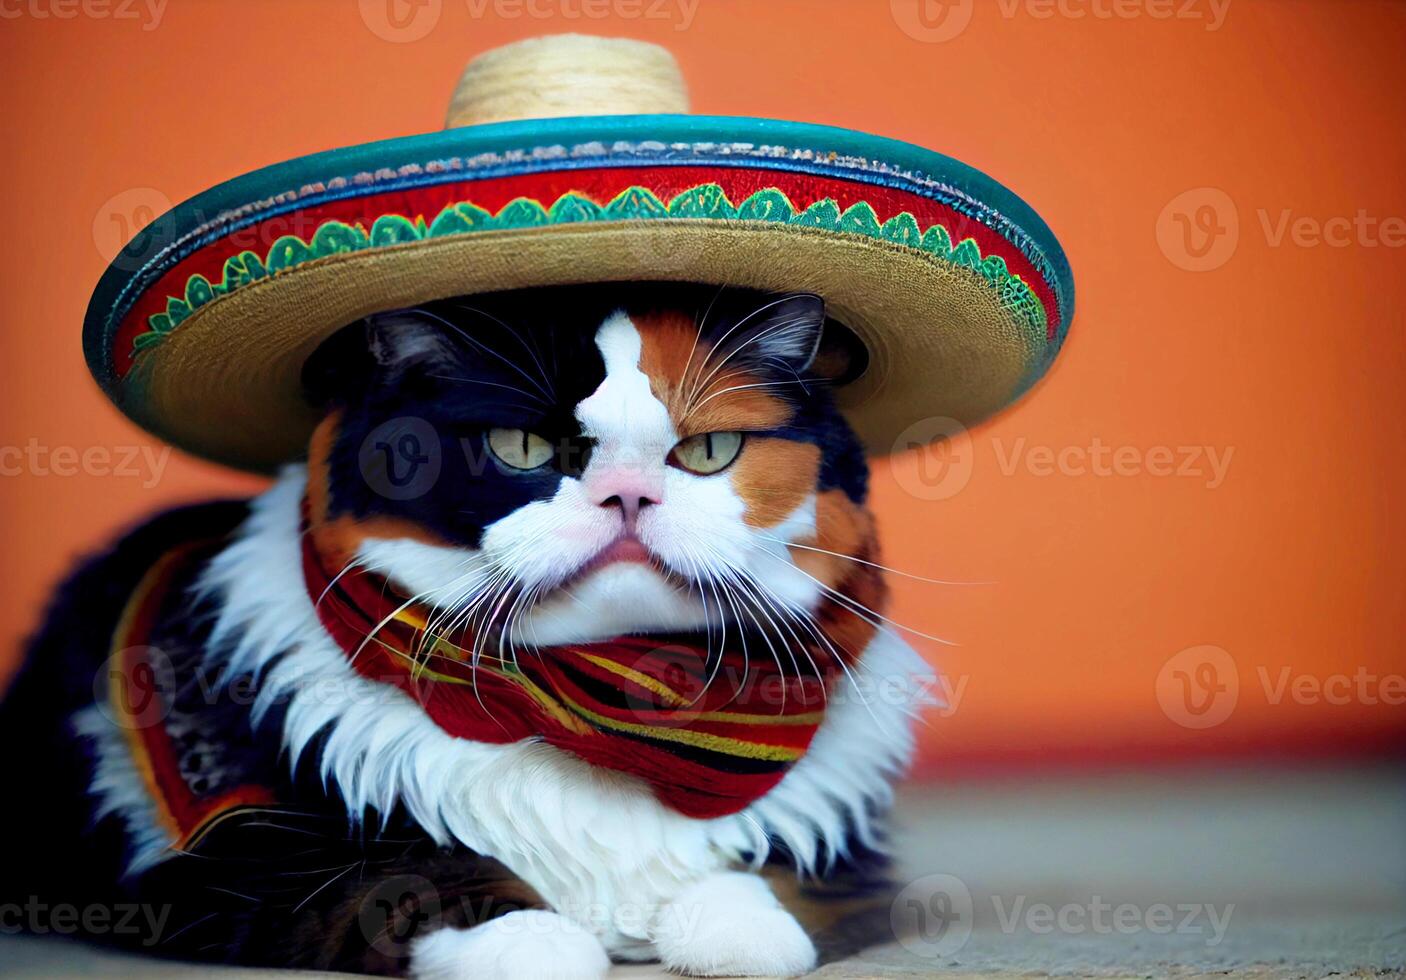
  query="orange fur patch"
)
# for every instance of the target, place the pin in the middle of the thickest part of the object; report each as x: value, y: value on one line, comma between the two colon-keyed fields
x: 846, y: 528
x: 701, y: 394
x: 774, y: 477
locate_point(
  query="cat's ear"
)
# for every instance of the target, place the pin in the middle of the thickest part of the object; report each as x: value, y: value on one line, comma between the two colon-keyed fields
x: 404, y: 341
x: 384, y: 349
x: 841, y: 357
x: 782, y: 332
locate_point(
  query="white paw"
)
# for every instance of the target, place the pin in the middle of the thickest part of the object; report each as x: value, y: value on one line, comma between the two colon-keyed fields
x: 730, y: 925
x: 533, y: 943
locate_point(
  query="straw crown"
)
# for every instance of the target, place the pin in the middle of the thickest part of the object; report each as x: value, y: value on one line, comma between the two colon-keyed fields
x: 567, y: 75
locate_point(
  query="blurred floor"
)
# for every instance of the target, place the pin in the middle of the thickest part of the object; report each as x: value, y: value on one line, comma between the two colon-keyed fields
x: 1249, y: 873
x: 1272, y: 841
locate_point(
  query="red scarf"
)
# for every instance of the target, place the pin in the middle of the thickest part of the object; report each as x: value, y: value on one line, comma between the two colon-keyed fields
x: 709, y: 732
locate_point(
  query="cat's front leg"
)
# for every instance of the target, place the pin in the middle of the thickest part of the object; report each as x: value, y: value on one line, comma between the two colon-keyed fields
x: 533, y: 943
x: 729, y: 924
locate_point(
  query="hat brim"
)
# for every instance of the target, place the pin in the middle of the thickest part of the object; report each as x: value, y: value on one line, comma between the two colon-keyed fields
x: 199, y: 329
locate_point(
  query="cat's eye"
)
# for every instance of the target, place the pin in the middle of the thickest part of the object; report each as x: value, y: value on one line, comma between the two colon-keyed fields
x: 707, y: 452
x: 519, y: 449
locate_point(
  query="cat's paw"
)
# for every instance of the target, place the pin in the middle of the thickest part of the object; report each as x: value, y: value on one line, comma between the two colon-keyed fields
x: 531, y: 943
x: 730, y: 925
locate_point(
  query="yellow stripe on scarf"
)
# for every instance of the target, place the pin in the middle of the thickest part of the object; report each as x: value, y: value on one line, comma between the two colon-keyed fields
x: 552, y: 707
x: 703, y: 740
x: 643, y: 680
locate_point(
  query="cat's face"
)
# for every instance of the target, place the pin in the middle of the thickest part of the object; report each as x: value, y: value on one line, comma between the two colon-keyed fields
x: 577, y: 464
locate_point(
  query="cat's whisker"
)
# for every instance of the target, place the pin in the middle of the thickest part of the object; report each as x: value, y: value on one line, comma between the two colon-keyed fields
x: 734, y: 600
x: 854, y: 605
x: 722, y: 651
x: 717, y: 345
x: 521, y: 605
x: 759, y: 593
x: 726, y: 391
x: 478, y: 343
x: 723, y: 601
x: 704, y: 583
x: 532, y: 351
x: 776, y: 658
x: 728, y: 570
x: 802, y: 616
x: 872, y: 564
x: 501, y: 569
x: 444, y: 621
x: 807, y: 620
x: 491, y: 384
x: 754, y: 339
x: 487, y: 612
x: 731, y: 574
x: 353, y: 563
x: 383, y: 623
x: 455, y: 610
x: 699, y: 325
x: 796, y: 379
x: 330, y: 881
x: 531, y: 623
x: 697, y: 581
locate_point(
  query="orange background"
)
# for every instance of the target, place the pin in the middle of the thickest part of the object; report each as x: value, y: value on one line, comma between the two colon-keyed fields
x: 1287, y: 356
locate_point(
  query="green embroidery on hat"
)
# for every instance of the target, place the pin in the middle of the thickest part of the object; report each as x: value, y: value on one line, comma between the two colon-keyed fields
x: 937, y: 243
x: 967, y: 254
x: 241, y: 270
x: 522, y: 212
x: 766, y: 205
x: 824, y: 213
x: 198, y: 292
x: 993, y: 267
x: 457, y: 219
x: 860, y: 219
x: 703, y: 201
x: 176, y: 310
x: 335, y: 238
x: 571, y: 208
x: 287, y: 252
x: 903, y: 229
x: 635, y: 203
x: 396, y: 229
x: 706, y: 201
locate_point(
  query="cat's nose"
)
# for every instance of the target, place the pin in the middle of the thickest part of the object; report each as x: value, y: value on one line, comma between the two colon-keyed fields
x: 626, y: 488
x: 629, y: 504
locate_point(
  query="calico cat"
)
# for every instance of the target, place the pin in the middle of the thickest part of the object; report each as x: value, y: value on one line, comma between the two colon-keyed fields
x: 567, y: 625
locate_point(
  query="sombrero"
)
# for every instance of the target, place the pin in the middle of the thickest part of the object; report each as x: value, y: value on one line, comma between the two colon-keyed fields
x: 572, y: 159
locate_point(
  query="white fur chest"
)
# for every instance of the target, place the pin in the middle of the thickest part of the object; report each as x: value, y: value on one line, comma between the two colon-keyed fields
x: 594, y: 843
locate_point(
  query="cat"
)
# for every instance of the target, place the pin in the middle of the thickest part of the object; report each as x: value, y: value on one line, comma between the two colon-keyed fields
x: 568, y: 624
